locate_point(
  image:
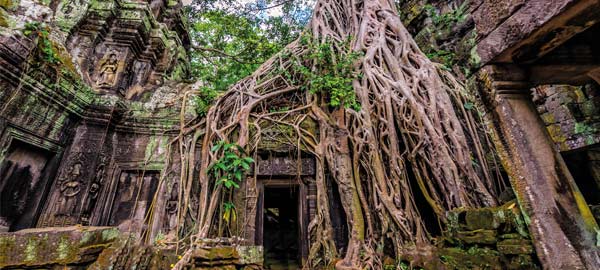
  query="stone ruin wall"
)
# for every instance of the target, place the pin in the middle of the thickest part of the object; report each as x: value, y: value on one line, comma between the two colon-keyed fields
x: 107, y: 106
x: 111, y: 107
x: 90, y: 97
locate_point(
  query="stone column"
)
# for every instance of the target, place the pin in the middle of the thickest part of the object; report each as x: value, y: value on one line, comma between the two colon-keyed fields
x: 560, y: 222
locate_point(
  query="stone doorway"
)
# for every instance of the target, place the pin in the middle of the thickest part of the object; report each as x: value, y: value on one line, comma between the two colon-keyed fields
x: 282, y: 221
x: 133, y: 197
x: 24, y: 184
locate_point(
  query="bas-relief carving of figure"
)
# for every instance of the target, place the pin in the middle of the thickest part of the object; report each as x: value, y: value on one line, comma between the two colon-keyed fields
x: 69, y: 188
x: 107, y: 73
x: 171, y: 215
x: 93, y: 193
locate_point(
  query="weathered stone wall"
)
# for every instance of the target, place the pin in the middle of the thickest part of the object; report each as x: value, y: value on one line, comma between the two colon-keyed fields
x: 488, y: 238
x: 570, y: 113
x: 98, y: 84
x: 54, y: 248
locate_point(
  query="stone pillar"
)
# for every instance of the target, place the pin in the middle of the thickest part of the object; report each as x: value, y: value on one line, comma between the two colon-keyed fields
x: 560, y: 222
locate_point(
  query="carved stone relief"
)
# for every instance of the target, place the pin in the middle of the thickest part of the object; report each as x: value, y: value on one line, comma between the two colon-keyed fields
x: 108, y: 69
x: 70, y: 185
x: 94, y: 190
x: 171, y: 207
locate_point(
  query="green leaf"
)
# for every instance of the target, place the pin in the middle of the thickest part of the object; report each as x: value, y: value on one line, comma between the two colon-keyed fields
x: 215, y: 147
x: 245, y: 166
x: 469, y: 105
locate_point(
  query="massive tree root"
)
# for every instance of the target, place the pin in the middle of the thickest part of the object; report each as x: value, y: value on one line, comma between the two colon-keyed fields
x: 411, y: 135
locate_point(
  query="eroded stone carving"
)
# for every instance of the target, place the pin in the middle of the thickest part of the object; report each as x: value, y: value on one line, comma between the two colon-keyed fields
x: 94, y: 190
x: 171, y: 207
x: 69, y: 186
x: 107, y: 73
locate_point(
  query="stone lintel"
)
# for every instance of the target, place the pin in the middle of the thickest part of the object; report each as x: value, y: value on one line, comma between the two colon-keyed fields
x: 536, y: 29
x: 567, y: 73
x: 285, y: 166
x: 595, y: 75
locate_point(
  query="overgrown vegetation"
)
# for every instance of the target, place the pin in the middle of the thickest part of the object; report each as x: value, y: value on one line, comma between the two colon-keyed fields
x: 231, y: 40
x: 231, y: 167
x: 381, y: 109
x: 444, y: 22
x: 40, y: 31
x: 329, y: 72
x: 447, y: 19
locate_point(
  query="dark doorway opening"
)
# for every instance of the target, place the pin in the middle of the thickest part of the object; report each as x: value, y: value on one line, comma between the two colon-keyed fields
x: 281, y: 227
x: 584, y: 165
x: 337, y: 215
x: 24, y: 177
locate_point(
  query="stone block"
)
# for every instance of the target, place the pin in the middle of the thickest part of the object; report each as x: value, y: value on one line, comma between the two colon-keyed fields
x: 484, y: 218
x: 250, y: 254
x: 515, y: 246
x: 491, y: 13
x: 48, y: 246
x: 548, y: 118
x: 486, y: 237
x: 215, y: 253
x: 565, y: 112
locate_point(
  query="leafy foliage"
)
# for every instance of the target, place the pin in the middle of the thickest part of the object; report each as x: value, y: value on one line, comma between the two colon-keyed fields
x: 204, y: 100
x: 229, y: 212
x: 45, y: 46
x: 331, y: 72
x: 447, y: 58
x: 231, y: 167
x: 447, y: 19
x: 232, y: 38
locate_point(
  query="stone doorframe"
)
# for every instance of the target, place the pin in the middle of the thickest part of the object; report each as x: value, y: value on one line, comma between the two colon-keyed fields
x: 10, y: 133
x: 103, y: 210
x: 561, y: 224
x: 303, y: 210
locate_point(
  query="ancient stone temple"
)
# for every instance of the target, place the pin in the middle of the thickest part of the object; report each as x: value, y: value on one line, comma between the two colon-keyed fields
x: 94, y: 93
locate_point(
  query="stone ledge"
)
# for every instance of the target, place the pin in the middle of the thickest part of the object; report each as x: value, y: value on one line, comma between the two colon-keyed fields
x: 54, y: 246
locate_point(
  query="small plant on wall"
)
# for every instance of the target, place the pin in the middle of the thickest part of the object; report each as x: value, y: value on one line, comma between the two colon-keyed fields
x: 229, y: 171
x: 230, y: 168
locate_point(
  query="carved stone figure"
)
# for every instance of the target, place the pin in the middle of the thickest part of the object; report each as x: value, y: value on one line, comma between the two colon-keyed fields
x: 93, y: 192
x: 69, y: 188
x: 171, y: 216
x: 107, y: 74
